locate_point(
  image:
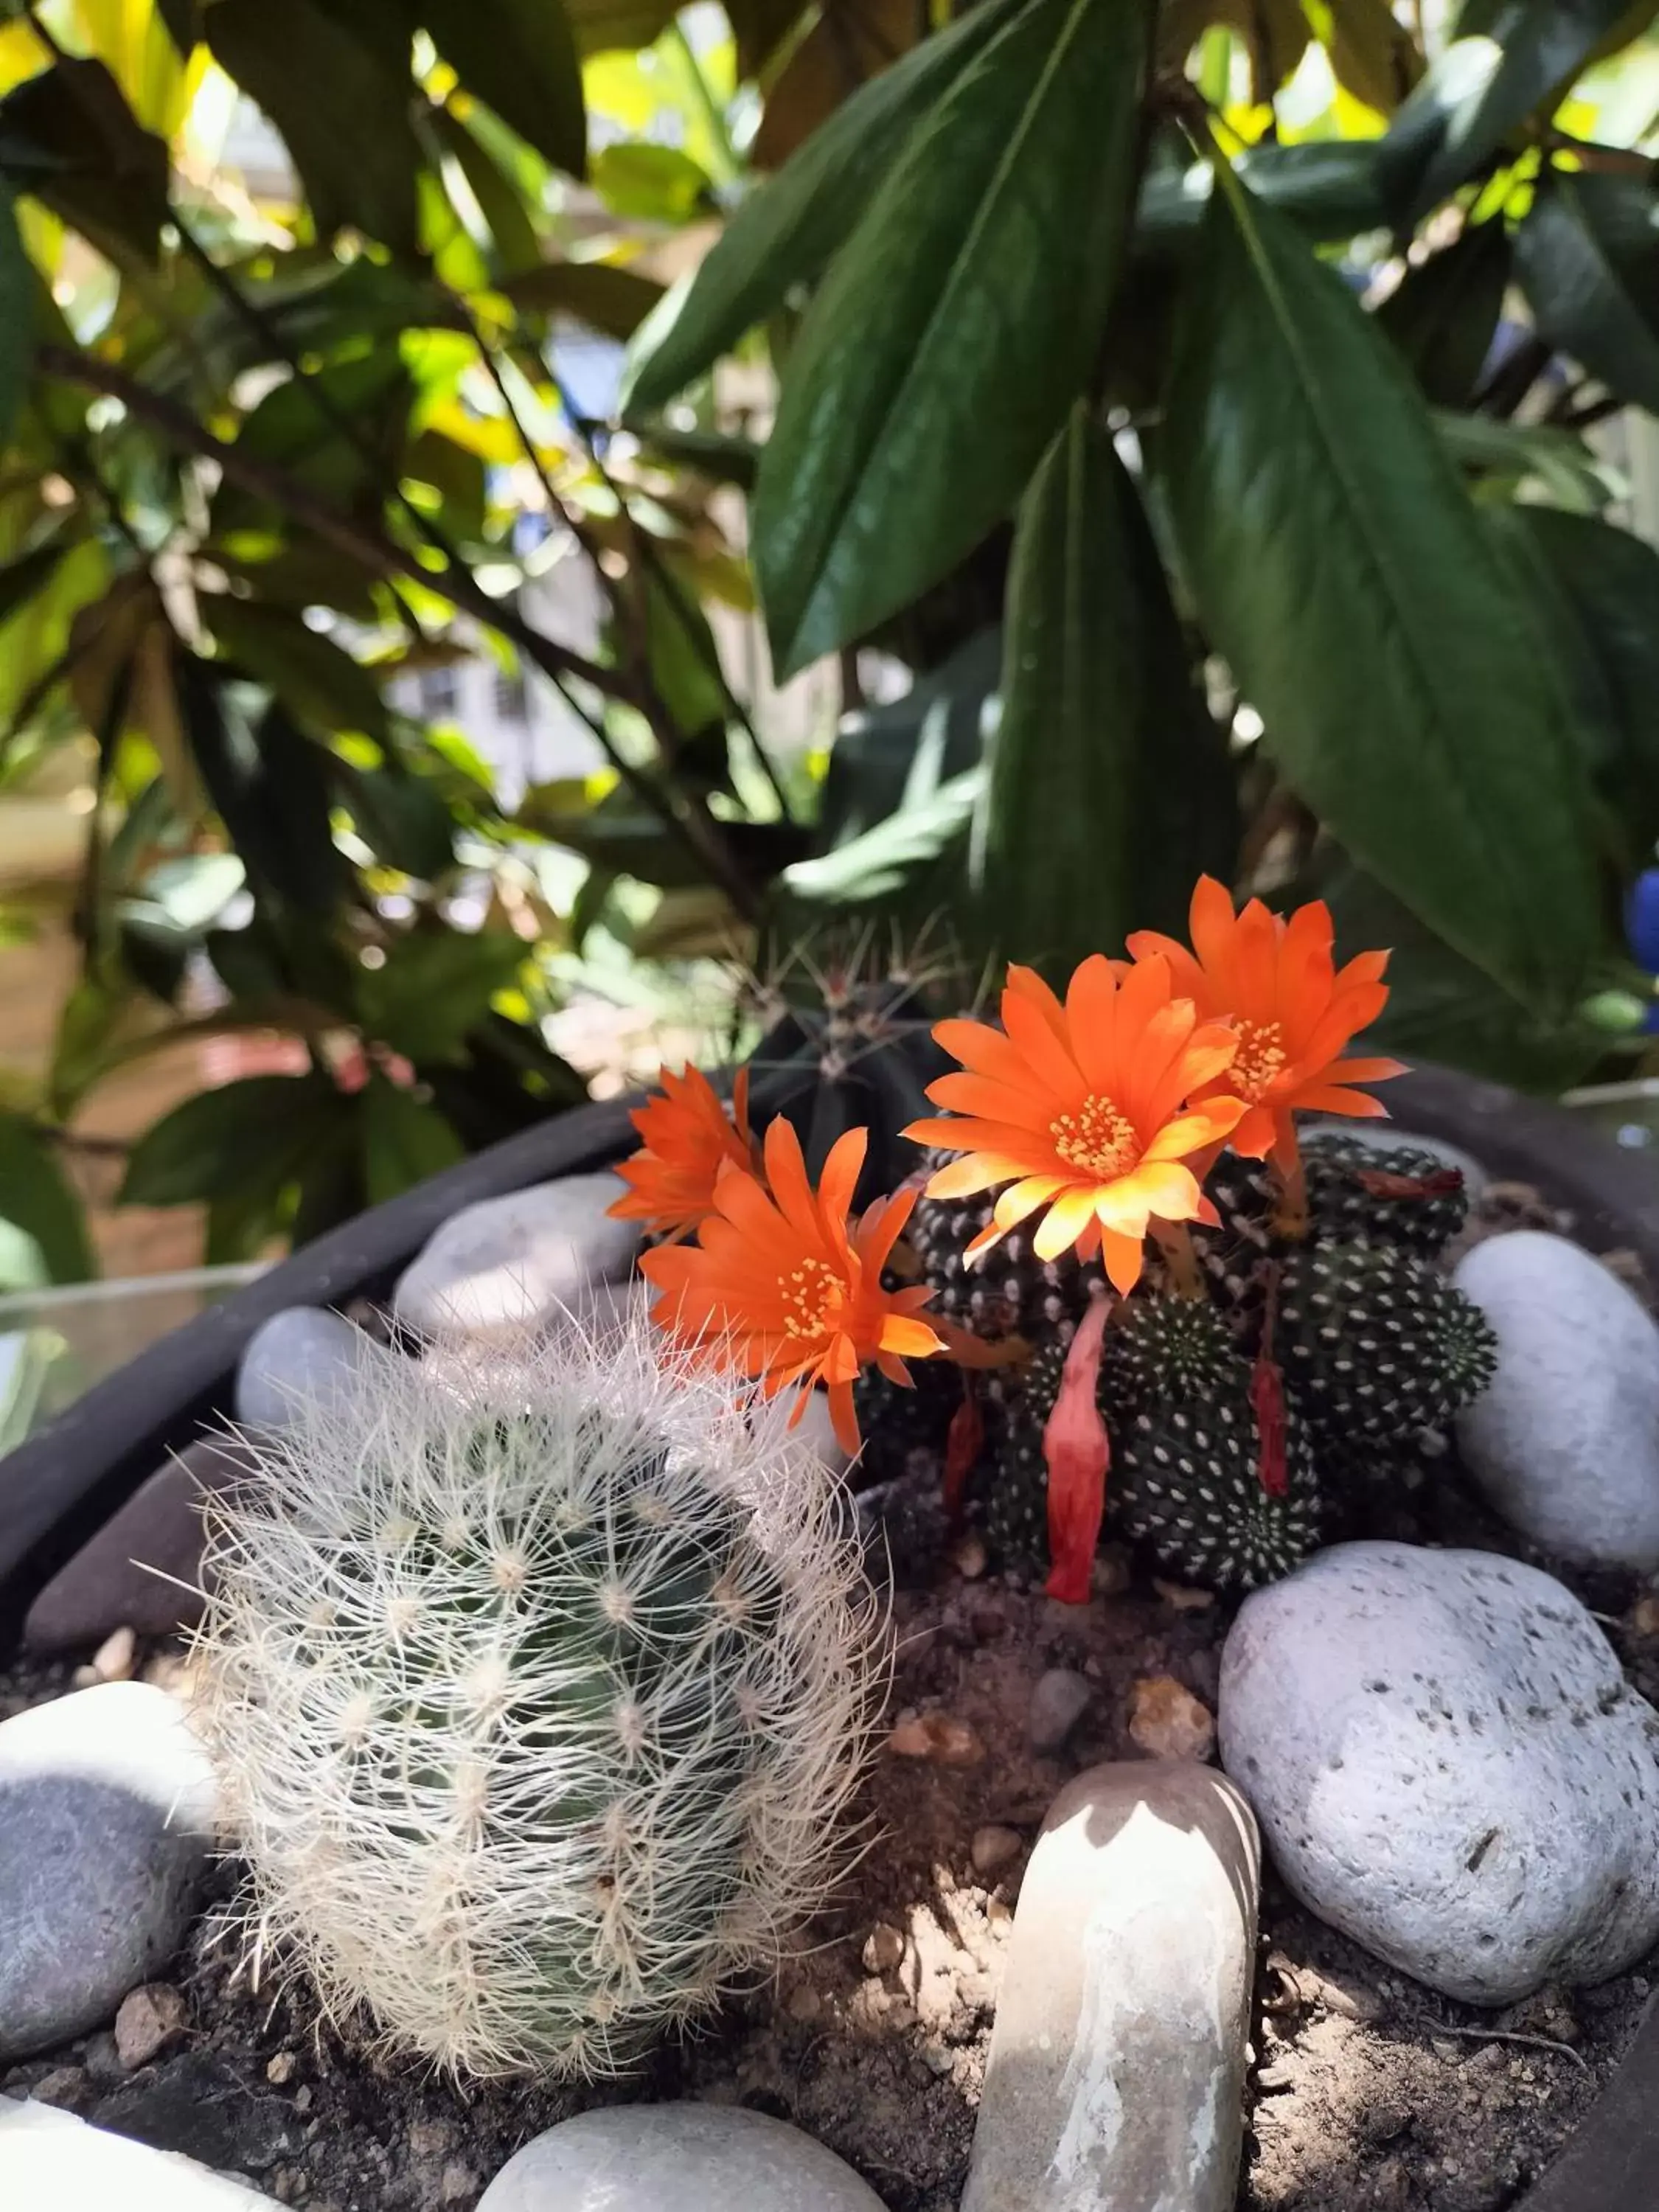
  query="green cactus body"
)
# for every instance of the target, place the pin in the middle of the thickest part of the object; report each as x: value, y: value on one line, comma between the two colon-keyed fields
x: 1376, y: 1343
x: 536, y: 1711
x: 1008, y: 1292
x: 1164, y: 1351
x: 1186, y: 1482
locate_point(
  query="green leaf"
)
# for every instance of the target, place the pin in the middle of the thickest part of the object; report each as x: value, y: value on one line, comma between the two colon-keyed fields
x: 1587, y: 259
x: 519, y: 57
x: 880, y: 861
x: 720, y: 455
x: 1507, y: 460
x: 1334, y: 187
x: 268, y: 781
x: 603, y: 26
x: 1441, y: 1008
x: 1341, y: 568
x: 1598, y: 590
x: 35, y: 1197
x: 29, y: 573
x: 69, y: 137
x: 403, y: 1141
x: 16, y: 357
x: 1443, y: 315
x: 317, y: 679
x: 1480, y: 88
x: 435, y: 985
x: 403, y: 820
x: 256, y: 1132
x: 614, y: 301
x: 343, y: 115
x: 289, y: 429
x: 1110, y: 788
x: 898, y: 753
x: 499, y: 201
x: 784, y: 235
x: 942, y: 316
x: 653, y: 183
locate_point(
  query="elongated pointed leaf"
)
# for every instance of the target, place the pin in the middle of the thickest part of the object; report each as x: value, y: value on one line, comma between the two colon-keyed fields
x: 1334, y: 187
x: 18, y: 580
x: 519, y: 57
x: 259, y: 1130
x: 1598, y: 590
x: 268, y: 781
x: 1443, y: 315
x: 1110, y: 788
x: 68, y: 135
x: 35, y: 1197
x: 403, y: 1140
x: 1480, y: 88
x: 611, y: 299
x: 785, y: 234
x: 344, y: 118
x: 973, y: 293
x: 1588, y: 259
x: 1341, y: 567
x: 318, y: 680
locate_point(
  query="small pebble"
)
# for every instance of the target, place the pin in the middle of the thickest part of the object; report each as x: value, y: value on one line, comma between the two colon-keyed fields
x: 804, y: 2003
x: 1168, y: 1722
x: 64, y: 2086
x: 884, y: 1947
x: 458, y: 2183
x: 116, y: 1658
x: 969, y: 1557
x: 1111, y: 1574
x: 1058, y: 1703
x: 1645, y: 1616
x: 1182, y: 1598
x: 939, y: 1738
x: 280, y: 2068
x: 150, y: 2020
x: 994, y: 1848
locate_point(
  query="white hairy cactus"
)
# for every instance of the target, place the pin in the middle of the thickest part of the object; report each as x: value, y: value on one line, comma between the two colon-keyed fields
x: 537, y: 1687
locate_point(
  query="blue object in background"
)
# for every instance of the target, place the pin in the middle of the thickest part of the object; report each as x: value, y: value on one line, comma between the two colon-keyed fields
x: 1641, y: 933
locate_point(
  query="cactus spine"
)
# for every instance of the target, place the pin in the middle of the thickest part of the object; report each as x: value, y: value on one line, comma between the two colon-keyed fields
x: 538, y: 1685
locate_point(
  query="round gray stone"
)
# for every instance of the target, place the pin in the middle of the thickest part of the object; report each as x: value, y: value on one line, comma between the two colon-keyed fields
x: 675, y: 2158
x: 1564, y: 1440
x: 1116, y: 2071
x: 1449, y: 1765
x: 303, y: 1356
x: 518, y: 1262
x: 107, y: 1811
x: 1058, y: 1703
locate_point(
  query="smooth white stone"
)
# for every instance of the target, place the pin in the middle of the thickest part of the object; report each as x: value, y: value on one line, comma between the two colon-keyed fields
x: 303, y: 1356
x: 522, y: 1261
x: 49, y: 2161
x: 675, y: 2158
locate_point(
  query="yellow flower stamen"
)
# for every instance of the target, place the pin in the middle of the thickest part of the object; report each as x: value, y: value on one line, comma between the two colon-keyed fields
x: 1259, y: 1061
x: 1098, y: 1138
x: 812, y: 1296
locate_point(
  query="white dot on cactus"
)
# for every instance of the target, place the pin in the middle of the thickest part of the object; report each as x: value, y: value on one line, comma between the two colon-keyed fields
x: 395, y: 1531
x: 404, y: 1615
x: 356, y: 1719
x: 617, y: 1603
x: 456, y: 1534
x: 509, y: 1571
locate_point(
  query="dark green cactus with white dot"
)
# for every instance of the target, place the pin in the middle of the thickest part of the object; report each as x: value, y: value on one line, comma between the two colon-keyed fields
x: 1373, y: 1344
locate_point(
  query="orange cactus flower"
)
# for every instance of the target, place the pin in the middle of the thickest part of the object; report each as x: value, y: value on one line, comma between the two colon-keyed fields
x: 786, y: 1288
x: 1082, y: 1109
x: 1293, y: 1009
x: 688, y: 1141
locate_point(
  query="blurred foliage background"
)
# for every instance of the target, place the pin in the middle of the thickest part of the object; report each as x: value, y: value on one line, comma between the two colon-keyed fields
x: 910, y: 476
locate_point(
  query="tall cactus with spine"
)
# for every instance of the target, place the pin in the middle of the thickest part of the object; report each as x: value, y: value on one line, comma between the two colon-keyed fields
x: 538, y: 1685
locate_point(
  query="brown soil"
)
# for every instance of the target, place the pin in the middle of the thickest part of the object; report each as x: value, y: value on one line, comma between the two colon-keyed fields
x: 1369, y: 2093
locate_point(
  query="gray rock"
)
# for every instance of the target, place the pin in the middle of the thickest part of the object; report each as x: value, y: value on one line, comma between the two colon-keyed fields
x: 1116, y: 2069
x: 1058, y: 1703
x: 1565, y: 1440
x: 675, y: 2158
x: 142, y: 1569
x: 107, y: 1811
x: 1449, y: 1765
x: 48, y: 2157
x: 518, y: 1262
x: 1389, y: 1136
x: 303, y: 1356
x: 198, y: 2105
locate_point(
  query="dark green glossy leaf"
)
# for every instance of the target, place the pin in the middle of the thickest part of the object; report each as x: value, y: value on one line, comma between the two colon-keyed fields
x: 720, y: 455
x: 258, y: 1131
x: 900, y: 750
x: 16, y: 355
x: 1443, y: 315
x: 1366, y: 615
x: 604, y: 26
x: 290, y: 429
x: 1110, y: 788
x: 1502, y: 457
x: 343, y: 115
x: 1587, y: 259
x: 317, y: 680
x: 942, y: 316
x: 268, y: 781
x: 614, y: 301
x: 403, y: 1140
x: 1598, y: 588
x: 1441, y: 1008
x: 35, y: 1197
x: 783, y: 234
x: 31, y: 571
x: 403, y: 820
x: 519, y: 57
x: 1334, y: 187
x: 881, y: 860
x: 499, y: 202
x: 1480, y: 88
x: 435, y: 985
x: 69, y: 137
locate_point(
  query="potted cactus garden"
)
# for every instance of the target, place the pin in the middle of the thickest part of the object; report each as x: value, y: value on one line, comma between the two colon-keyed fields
x: 773, y: 1661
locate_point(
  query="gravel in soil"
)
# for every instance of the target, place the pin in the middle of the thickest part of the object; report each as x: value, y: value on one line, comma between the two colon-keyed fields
x: 1369, y: 2093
